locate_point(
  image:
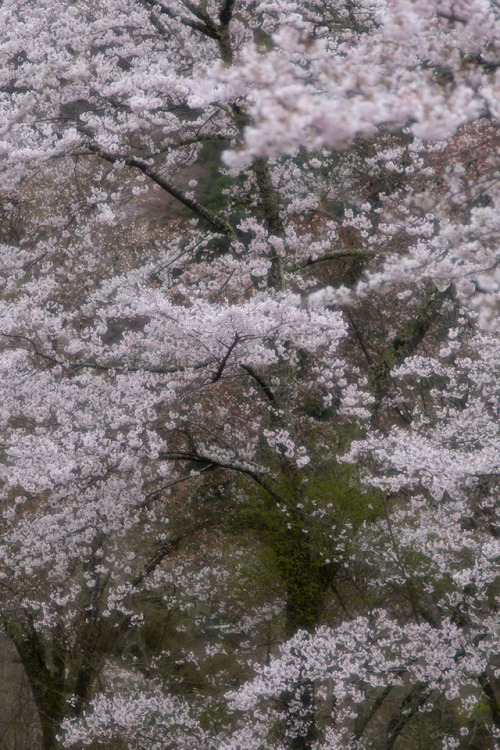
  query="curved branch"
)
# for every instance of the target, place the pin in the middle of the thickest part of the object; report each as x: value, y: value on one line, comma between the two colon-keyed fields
x: 351, y: 252
x: 205, y: 213
x: 220, y: 464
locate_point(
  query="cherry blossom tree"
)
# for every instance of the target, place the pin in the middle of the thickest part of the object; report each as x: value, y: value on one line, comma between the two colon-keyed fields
x: 307, y: 348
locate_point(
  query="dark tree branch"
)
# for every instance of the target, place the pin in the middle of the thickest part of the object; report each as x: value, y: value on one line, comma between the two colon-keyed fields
x: 72, y: 367
x: 261, y: 382
x: 404, y: 344
x: 363, y: 721
x: 208, y: 29
x: 359, y: 337
x: 351, y: 252
x: 215, y: 221
x: 167, y: 548
x: 269, y: 197
x: 416, y: 698
x: 218, y: 374
x: 200, y: 138
x: 485, y: 681
x: 153, y: 17
x: 272, y: 219
x: 32, y: 344
x: 199, y: 13
x: 220, y: 464
x: 226, y: 12
x: 154, y: 493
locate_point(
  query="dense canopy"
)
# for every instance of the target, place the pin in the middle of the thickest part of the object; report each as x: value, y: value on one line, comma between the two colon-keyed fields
x: 249, y: 357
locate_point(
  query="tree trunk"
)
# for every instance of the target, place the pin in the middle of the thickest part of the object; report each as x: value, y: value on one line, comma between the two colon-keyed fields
x: 305, y: 581
x: 46, y: 676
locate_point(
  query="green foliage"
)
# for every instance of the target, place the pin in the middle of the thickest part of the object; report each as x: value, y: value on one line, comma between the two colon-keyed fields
x: 212, y: 192
x: 305, y: 538
x: 331, y: 499
x: 339, y: 487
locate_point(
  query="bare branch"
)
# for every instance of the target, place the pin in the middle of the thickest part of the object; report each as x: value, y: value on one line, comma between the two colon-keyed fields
x: 208, y: 29
x: 351, y: 252
x: 72, y: 367
x: 217, y: 375
x: 260, y: 381
x: 191, y: 203
x: 220, y: 464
